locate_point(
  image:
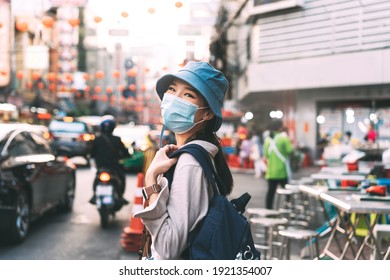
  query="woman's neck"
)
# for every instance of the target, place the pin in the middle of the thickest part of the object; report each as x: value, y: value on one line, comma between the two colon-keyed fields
x: 184, y: 138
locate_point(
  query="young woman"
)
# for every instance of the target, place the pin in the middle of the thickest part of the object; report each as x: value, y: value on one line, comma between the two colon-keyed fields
x: 191, y: 107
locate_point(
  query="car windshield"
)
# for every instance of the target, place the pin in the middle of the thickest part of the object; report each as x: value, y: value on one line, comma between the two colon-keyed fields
x: 59, y: 126
x: 2, y: 143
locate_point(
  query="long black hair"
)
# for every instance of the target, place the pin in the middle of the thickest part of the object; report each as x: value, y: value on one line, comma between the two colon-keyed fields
x: 221, y: 165
x: 275, y: 127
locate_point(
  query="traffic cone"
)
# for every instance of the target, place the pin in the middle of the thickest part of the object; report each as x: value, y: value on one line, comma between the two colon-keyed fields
x: 131, y: 235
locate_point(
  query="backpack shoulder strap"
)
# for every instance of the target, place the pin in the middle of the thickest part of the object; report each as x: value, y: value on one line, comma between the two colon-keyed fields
x: 203, y: 157
x: 273, y: 147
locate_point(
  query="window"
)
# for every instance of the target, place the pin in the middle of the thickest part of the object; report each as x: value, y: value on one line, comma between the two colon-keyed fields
x: 42, y: 145
x: 60, y: 126
x: 20, y: 146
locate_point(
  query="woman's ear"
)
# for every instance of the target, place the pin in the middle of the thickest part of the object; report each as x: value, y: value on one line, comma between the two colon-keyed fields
x: 208, y: 115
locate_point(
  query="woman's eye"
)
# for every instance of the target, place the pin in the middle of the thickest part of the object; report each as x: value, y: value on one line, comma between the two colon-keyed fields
x: 171, y: 89
x: 189, y: 95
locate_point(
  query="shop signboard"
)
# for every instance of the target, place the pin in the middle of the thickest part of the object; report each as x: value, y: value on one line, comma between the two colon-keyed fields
x: 72, y: 3
x: 36, y: 57
x: 333, y: 121
x: 384, y: 123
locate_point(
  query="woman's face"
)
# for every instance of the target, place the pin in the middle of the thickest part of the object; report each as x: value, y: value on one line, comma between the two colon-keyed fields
x: 183, y: 90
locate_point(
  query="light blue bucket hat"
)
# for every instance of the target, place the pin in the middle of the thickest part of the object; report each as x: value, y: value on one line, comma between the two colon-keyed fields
x: 204, y: 78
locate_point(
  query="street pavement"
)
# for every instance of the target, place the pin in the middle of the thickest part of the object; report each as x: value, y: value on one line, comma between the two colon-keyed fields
x: 245, y: 181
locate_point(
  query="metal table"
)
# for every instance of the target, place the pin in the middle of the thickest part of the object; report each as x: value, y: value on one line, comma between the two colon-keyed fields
x: 346, y: 204
x: 331, y: 223
x: 330, y: 176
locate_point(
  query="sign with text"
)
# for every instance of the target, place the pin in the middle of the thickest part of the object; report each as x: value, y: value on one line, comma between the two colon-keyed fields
x: 118, y: 32
x: 73, y: 3
x: 36, y: 57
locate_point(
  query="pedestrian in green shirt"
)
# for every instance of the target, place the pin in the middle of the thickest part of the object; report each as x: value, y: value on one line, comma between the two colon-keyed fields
x: 277, y: 150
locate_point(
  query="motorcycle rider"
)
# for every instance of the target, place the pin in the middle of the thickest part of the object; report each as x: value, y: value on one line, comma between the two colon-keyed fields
x: 108, y: 150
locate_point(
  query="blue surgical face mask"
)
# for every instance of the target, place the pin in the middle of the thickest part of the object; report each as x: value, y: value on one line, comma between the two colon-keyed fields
x: 178, y: 114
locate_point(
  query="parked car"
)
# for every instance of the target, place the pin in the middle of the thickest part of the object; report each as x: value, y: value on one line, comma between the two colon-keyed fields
x: 37, y: 128
x: 33, y: 179
x: 74, y: 135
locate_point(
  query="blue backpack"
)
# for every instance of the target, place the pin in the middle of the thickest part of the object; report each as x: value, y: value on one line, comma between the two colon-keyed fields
x: 224, y: 233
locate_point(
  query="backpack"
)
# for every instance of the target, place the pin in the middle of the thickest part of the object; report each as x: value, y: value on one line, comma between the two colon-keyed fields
x: 224, y: 233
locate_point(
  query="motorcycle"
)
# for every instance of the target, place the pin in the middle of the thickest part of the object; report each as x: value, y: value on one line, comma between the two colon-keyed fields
x: 106, y: 185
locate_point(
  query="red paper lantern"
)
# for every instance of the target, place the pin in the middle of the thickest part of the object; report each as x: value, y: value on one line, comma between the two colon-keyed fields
x: 97, y: 19
x: 85, y: 76
x: 48, y: 21
x: 74, y: 22
x: 151, y: 10
x: 19, y: 75
x: 1, y: 25
x: 51, y: 76
x: 21, y: 26
x: 131, y: 73
x: 41, y: 85
x: 178, y: 4
x: 97, y: 89
x: 35, y: 76
x: 68, y: 77
x: 29, y: 84
x: 87, y: 88
x: 125, y: 14
x: 116, y: 74
x: 99, y: 74
x: 109, y: 89
x: 132, y: 87
x: 52, y: 87
x: 121, y: 87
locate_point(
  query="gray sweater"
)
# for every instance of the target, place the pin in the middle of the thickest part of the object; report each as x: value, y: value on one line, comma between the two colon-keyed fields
x: 177, y: 211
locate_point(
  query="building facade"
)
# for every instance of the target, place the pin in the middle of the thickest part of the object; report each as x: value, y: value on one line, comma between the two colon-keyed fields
x: 324, y: 64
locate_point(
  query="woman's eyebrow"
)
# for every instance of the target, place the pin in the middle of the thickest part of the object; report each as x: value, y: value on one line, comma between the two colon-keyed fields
x: 191, y: 89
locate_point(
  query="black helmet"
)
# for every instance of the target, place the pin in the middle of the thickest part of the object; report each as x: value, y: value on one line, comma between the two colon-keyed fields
x: 107, y: 126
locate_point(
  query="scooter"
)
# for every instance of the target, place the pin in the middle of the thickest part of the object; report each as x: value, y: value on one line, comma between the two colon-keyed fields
x: 106, y: 185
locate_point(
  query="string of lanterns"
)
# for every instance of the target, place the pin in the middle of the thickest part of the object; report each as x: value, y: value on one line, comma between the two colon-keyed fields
x: 61, y: 82
x: 53, y: 78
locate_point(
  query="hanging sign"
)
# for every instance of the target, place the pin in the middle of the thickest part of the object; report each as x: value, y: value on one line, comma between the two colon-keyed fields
x: 36, y: 57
